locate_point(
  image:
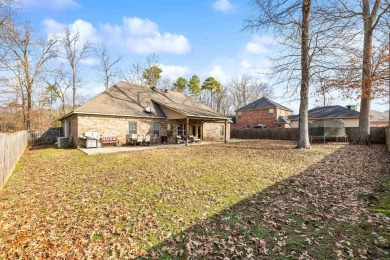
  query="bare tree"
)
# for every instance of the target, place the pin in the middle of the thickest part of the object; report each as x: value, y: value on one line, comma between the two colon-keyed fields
x: 58, y: 83
x: 222, y: 101
x: 363, y: 20
x: 26, y: 58
x: 165, y: 83
x: 135, y: 72
x: 305, y: 39
x: 74, y: 52
x: 245, y: 89
x: 106, y: 65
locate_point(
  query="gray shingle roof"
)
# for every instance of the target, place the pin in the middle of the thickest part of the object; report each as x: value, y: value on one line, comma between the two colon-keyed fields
x: 330, y: 112
x: 127, y: 99
x: 283, y: 120
x: 263, y: 103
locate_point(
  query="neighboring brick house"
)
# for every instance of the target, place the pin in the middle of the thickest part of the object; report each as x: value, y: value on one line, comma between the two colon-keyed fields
x: 263, y: 112
x: 126, y: 109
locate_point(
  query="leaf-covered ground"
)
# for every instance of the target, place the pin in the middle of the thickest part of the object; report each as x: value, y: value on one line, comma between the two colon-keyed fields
x: 255, y: 199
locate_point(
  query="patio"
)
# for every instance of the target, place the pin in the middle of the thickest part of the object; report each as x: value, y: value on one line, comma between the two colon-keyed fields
x: 128, y: 148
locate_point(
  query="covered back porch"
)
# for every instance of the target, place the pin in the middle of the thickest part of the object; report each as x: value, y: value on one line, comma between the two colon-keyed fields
x: 194, y: 121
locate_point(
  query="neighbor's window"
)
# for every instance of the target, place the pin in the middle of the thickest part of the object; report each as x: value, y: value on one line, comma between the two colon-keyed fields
x: 132, y: 128
x: 239, y: 114
x: 156, y: 128
x: 222, y: 130
x: 181, y: 130
x: 248, y: 126
x: 271, y: 112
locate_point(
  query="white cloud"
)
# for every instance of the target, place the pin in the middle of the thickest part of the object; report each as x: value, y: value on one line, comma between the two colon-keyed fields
x: 136, y: 35
x: 86, y: 30
x: 245, y: 64
x: 224, y: 6
x: 55, y: 5
x: 142, y: 36
x: 259, y: 45
x: 137, y: 26
x: 173, y: 71
x: 219, y: 74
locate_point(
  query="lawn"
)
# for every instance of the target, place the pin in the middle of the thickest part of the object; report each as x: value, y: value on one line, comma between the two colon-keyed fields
x: 254, y: 199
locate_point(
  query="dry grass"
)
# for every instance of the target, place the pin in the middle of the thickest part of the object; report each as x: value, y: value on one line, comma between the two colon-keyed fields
x: 156, y: 203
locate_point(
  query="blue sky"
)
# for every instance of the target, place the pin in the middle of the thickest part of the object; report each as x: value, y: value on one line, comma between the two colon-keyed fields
x: 202, y: 37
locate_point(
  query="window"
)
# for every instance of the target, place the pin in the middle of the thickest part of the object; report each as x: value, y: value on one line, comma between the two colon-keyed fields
x: 132, y: 128
x: 280, y: 125
x: 156, y: 128
x: 181, y: 130
x: 271, y: 112
x: 239, y: 114
x: 222, y: 130
x: 248, y: 126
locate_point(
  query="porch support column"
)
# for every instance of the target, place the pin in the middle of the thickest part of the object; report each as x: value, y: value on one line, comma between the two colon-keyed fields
x: 225, y: 131
x: 187, y: 129
x: 201, y: 137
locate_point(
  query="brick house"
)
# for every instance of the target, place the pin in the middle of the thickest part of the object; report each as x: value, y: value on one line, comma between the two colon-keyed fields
x: 263, y: 112
x: 126, y: 109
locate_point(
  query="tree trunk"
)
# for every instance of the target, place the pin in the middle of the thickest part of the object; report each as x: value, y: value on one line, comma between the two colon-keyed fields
x: 29, y: 107
x: 23, y: 107
x: 74, y: 87
x: 305, y: 78
x: 365, y: 99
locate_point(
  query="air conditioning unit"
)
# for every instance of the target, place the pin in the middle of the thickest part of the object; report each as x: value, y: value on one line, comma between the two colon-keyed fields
x: 62, y: 142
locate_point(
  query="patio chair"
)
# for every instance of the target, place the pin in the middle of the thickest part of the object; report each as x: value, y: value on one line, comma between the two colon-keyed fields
x: 133, y: 139
x: 179, y: 140
x: 147, y: 139
x: 190, y: 138
x: 140, y: 139
x: 194, y: 139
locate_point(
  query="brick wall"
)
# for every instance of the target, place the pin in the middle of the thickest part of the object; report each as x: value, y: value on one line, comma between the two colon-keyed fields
x: 255, y: 117
x: 119, y: 127
x: 259, y: 117
x: 211, y: 131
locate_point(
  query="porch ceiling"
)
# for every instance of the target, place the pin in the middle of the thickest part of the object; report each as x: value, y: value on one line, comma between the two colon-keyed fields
x: 180, y: 111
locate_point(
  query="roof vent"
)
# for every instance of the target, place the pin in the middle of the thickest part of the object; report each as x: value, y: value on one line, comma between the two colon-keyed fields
x: 166, y: 90
x: 148, y: 109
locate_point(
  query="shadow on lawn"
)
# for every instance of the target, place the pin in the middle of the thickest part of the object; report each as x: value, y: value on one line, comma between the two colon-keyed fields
x: 322, y: 213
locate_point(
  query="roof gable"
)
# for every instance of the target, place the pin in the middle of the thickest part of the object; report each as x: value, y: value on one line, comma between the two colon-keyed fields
x: 263, y: 103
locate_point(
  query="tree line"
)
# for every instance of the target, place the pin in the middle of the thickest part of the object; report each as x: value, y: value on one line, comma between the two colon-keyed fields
x: 325, y: 45
x: 38, y: 73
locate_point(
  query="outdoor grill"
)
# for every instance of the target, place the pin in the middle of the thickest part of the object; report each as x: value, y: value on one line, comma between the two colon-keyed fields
x: 91, y: 138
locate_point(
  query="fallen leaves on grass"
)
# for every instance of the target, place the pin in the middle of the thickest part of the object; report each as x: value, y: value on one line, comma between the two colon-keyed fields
x: 256, y: 199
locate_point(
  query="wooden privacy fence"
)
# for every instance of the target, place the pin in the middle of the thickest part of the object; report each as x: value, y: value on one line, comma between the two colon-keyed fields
x: 46, y: 136
x: 388, y: 137
x: 266, y: 133
x: 12, y: 147
x: 377, y: 134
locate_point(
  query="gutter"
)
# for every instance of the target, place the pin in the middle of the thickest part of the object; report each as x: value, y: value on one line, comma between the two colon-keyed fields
x: 104, y: 114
